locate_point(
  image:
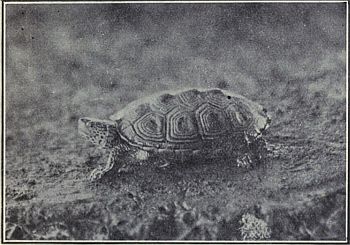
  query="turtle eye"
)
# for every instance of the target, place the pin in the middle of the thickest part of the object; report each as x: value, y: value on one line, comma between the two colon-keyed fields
x: 264, y: 110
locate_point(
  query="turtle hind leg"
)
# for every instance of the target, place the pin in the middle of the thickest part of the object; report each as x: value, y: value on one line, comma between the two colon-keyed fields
x: 97, y: 173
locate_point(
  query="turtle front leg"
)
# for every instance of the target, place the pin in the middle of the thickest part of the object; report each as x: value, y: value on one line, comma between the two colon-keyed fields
x: 97, y: 173
x: 254, y: 153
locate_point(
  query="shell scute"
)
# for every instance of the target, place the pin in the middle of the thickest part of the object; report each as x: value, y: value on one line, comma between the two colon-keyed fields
x: 239, y: 115
x: 182, y: 126
x: 212, y: 120
x: 150, y: 127
x: 164, y: 103
x: 218, y: 98
x: 191, y: 98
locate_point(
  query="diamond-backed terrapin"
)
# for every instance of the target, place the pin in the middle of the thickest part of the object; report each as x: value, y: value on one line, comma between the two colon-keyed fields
x: 183, y: 125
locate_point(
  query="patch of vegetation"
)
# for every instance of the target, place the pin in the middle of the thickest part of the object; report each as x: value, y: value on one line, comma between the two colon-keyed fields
x: 253, y: 228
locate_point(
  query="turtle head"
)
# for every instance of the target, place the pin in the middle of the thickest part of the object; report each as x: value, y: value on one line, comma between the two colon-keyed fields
x: 99, y: 132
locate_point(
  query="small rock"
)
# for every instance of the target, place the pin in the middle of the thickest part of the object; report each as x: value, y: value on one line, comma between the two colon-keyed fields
x: 14, y: 232
x: 188, y: 218
x: 130, y: 195
x: 31, y: 182
x: 185, y: 206
x: 23, y: 195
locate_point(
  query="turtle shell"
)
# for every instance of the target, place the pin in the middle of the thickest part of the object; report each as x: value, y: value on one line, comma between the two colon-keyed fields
x: 185, y: 120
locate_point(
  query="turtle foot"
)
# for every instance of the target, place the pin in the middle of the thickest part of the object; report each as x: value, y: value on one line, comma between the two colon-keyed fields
x: 125, y: 169
x: 244, y: 161
x: 96, y: 174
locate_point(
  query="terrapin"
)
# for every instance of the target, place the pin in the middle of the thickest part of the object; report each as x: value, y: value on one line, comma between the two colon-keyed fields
x: 184, y: 125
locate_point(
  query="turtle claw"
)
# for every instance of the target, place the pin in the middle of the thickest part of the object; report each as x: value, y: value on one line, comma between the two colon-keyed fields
x: 96, y: 174
x: 244, y: 161
x: 124, y: 169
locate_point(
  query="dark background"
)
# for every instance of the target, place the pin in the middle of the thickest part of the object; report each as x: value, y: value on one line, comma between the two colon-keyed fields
x: 68, y: 61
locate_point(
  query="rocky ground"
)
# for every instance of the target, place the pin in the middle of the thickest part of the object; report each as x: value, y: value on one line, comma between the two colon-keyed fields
x: 64, y: 62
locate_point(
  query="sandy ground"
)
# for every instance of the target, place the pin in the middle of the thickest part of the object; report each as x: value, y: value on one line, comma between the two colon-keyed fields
x: 64, y: 62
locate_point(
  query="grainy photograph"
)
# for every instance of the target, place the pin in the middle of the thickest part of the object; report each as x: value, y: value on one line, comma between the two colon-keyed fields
x: 181, y: 121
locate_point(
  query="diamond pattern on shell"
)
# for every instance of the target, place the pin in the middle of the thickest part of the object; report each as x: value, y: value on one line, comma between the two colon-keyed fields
x: 187, y: 120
